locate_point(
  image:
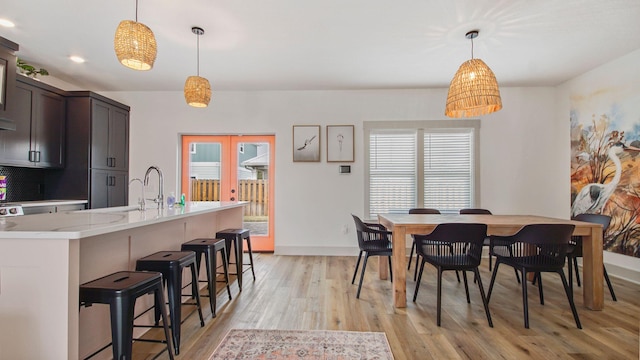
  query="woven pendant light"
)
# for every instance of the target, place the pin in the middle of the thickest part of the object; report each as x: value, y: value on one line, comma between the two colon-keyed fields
x: 474, y: 89
x: 197, y: 90
x: 135, y: 44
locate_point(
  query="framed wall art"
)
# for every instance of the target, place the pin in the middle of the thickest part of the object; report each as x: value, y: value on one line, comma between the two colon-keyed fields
x: 340, y: 146
x: 306, y: 143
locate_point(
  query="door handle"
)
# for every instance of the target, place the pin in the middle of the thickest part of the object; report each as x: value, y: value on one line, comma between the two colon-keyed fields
x: 233, y: 191
x: 233, y: 199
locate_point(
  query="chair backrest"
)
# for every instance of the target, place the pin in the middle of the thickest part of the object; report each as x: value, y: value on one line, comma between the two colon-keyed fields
x: 604, y: 220
x: 371, y: 235
x: 475, y: 212
x: 424, y: 211
x: 450, y: 240
x: 542, y: 246
x: 576, y: 241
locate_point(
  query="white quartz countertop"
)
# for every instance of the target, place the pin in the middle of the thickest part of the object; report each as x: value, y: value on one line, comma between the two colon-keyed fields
x: 85, y: 223
x: 49, y: 202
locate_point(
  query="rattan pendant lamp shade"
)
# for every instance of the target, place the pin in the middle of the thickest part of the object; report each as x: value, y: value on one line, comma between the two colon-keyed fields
x: 474, y: 89
x: 197, y: 90
x: 135, y: 44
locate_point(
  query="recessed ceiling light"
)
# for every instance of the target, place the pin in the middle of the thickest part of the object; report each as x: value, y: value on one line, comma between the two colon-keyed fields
x: 76, y: 59
x: 7, y: 23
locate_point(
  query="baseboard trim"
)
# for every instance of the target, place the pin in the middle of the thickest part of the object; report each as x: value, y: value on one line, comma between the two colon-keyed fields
x: 620, y: 272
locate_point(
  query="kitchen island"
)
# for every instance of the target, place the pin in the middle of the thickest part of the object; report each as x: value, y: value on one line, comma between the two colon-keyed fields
x: 44, y: 258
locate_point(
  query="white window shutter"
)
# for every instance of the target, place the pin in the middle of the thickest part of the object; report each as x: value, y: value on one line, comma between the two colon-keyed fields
x: 448, y: 170
x: 448, y: 181
x: 392, y: 171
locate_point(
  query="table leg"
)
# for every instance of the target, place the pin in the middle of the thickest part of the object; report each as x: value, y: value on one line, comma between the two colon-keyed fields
x: 398, y: 263
x: 383, y: 267
x: 593, y: 269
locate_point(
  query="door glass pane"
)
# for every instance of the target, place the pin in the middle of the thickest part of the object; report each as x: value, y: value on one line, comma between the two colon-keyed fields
x: 253, y: 185
x: 204, y: 171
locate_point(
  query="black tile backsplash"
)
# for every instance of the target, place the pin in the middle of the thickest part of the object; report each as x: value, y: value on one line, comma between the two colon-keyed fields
x: 23, y: 184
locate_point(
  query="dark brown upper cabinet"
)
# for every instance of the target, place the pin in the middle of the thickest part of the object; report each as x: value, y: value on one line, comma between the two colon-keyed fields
x: 39, y: 113
x: 7, y: 82
x: 109, y: 136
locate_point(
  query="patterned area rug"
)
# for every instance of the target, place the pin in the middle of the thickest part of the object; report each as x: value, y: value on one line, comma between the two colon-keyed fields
x: 302, y: 344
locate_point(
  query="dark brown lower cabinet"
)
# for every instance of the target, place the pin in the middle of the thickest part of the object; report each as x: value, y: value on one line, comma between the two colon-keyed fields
x: 108, y: 188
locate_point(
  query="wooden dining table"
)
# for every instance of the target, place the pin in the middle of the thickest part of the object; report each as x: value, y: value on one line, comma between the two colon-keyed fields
x: 402, y: 225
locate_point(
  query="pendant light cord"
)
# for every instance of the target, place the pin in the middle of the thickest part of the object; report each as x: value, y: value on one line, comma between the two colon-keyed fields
x: 471, y: 47
x: 198, y: 55
x: 136, y: 10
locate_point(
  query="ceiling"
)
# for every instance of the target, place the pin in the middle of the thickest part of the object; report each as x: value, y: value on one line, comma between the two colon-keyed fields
x: 328, y: 44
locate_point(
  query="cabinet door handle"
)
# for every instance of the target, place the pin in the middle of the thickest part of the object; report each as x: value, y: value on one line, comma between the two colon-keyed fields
x: 108, y: 180
x: 34, y: 156
x: 113, y: 163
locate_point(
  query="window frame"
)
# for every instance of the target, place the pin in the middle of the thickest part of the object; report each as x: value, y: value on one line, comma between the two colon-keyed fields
x: 420, y: 126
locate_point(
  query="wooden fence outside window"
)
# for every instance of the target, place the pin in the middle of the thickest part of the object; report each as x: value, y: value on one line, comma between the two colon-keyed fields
x: 253, y: 191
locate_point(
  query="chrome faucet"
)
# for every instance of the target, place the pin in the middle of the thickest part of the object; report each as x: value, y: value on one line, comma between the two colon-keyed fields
x: 160, y: 198
x: 141, y: 203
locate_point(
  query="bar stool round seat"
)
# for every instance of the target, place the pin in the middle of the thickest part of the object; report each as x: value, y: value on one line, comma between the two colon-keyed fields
x: 209, y: 248
x: 171, y: 265
x: 120, y: 291
x: 234, y: 239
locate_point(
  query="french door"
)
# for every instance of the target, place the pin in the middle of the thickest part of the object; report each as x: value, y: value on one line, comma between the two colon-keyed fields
x: 233, y: 168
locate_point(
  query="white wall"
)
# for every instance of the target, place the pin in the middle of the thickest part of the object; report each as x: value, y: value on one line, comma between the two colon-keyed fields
x: 622, y: 74
x: 524, y: 151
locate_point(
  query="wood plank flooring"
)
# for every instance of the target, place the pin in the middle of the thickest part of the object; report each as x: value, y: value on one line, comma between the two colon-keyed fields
x: 315, y: 292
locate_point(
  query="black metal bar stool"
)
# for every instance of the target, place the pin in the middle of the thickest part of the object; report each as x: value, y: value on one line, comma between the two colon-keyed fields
x: 236, y: 236
x: 171, y: 264
x: 120, y: 290
x: 209, y: 247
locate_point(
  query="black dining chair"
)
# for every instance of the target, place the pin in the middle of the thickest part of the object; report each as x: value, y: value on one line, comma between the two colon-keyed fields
x: 487, y: 240
x: 373, y: 240
x: 476, y: 211
x: 453, y: 246
x: 430, y: 211
x: 535, y: 248
x: 575, y: 249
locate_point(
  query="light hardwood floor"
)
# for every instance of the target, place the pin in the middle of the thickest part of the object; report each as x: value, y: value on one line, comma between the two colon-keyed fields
x: 315, y: 292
